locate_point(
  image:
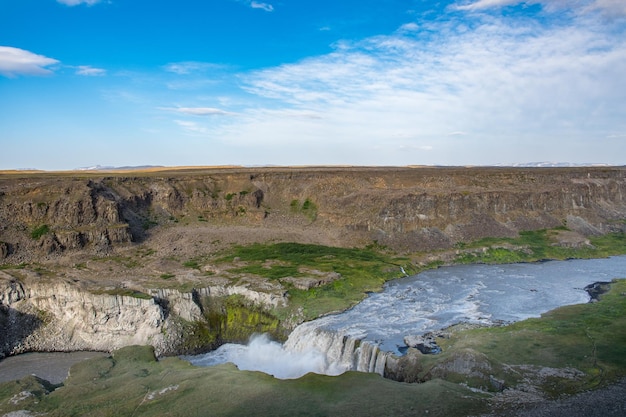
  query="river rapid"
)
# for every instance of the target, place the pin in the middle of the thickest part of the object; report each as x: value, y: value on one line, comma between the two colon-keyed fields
x: 364, y: 336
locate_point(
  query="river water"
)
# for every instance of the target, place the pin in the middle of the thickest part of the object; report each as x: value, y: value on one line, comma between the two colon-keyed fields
x: 361, y: 338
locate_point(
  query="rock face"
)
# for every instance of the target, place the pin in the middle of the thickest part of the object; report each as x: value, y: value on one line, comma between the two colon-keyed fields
x: 424, y: 343
x: 62, y: 316
x: 407, y: 209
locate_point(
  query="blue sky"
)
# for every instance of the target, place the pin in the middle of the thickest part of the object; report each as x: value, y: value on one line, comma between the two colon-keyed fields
x: 297, y: 82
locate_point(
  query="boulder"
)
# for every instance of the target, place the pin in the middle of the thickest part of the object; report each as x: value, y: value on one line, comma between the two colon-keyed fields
x: 424, y: 343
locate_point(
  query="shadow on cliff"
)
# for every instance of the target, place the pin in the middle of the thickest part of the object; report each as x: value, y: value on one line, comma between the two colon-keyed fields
x: 15, y: 327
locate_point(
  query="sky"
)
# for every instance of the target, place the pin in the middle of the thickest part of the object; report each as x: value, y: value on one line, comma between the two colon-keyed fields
x: 302, y: 82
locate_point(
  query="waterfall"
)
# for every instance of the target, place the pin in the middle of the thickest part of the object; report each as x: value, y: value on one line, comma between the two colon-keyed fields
x: 342, y: 352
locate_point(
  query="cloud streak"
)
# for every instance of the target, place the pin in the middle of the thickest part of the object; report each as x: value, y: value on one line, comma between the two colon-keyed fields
x: 78, y: 2
x: 16, y: 61
x: 503, y: 89
x: 198, y: 111
x: 263, y: 6
x: 190, y: 67
x: 90, y: 71
x: 609, y: 8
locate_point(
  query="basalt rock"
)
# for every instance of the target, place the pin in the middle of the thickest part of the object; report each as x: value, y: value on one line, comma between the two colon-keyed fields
x: 424, y: 343
x: 4, y: 250
x: 406, y: 209
x: 36, y: 315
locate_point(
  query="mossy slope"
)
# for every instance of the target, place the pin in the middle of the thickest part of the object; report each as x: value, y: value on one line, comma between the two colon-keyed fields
x: 133, y: 383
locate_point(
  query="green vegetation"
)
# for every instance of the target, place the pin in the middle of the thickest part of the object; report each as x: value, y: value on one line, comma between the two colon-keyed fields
x: 145, y: 252
x: 537, y: 245
x: 40, y: 231
x: 13, y: 266
x: 227, y: 319
x: 127, y: 292
x: 192, y: 263
x: 308, y: 208
x: 361, y: 271
x: 236, y: 319
x: 148, y: 223
x: 133, y: 383
x: 167, y: 276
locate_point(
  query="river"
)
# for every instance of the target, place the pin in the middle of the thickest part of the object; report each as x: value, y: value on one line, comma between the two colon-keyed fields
x: 361, y: 338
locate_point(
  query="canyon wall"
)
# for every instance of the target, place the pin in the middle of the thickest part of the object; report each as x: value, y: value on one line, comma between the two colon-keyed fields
x: 38, y: 315
x: 406, y: 209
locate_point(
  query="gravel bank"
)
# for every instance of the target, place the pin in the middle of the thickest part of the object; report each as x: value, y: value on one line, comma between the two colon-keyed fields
x: 605, y: 402
x: 51, y: 366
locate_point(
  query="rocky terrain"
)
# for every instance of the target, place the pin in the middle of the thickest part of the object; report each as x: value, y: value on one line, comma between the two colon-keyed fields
x: 407, y: 209
x: 101, y: 260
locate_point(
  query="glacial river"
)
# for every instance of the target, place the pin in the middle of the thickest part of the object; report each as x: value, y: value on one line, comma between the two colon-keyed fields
x: 359, y: 339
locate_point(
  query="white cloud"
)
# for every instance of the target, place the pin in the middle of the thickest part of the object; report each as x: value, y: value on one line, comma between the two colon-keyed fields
x: 486, y: 4
x: 77, y: 2
x: 409, y: 27
x: 189, y: 67
x: 609, y: 8
x: 198, y: 111
x: 89, y: 71
x: 16, y: 61
x: 263, y: 6
x: 519, y: 87
x: 192, y: 127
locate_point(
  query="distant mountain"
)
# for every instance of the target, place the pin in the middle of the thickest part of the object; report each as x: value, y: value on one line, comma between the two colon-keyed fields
x: 546, y: 164
x: 112, y: 168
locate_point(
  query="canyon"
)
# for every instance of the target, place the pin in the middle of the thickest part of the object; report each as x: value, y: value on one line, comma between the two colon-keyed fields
x: 102, y: 260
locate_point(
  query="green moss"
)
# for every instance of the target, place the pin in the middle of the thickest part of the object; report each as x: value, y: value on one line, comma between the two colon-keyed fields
x: 226, y: 320
x: 126, y: 292
x: 192, y: 263
x: 235, y: 319
x: 13, y: 266
x: 133, y: 383
x: 537, y: 245
x: 362, y: 270
x: 274, y: 272
x: 40, y: 231
x: 308, y: 208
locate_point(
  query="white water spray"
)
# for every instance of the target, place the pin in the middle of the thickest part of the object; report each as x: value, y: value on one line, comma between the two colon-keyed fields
x: 307, y: 350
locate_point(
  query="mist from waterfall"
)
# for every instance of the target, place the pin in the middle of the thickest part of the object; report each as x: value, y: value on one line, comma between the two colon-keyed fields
x: 362, y: 338
x: 325, y: 353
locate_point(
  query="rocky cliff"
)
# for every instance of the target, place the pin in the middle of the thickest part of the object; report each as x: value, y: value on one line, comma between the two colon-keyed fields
x: 407, y: 209
x: 39, y: 315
